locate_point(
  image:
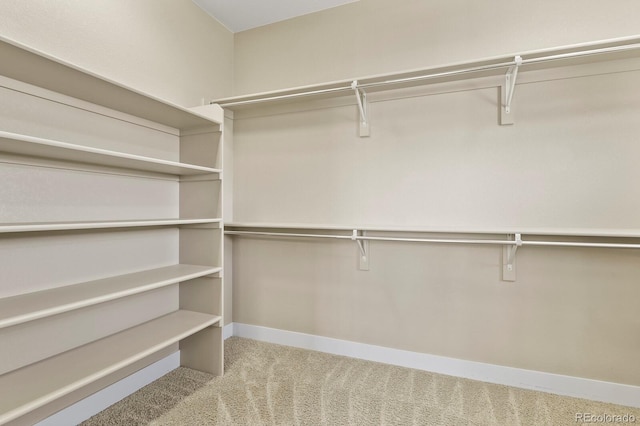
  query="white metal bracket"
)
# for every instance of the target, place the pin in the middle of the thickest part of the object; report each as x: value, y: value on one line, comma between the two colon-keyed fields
x: 363, y: 250
x: 506, y: 113
x: 361, y: 97
x: 509, y: 259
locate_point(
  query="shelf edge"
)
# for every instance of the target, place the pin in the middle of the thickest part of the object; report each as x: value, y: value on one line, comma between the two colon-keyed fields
x: 105, y: 153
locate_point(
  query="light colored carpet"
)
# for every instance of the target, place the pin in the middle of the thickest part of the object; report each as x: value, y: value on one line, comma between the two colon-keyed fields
x: 267, y: 384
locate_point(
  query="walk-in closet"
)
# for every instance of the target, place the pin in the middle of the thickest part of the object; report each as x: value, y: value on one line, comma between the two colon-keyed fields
x: 337, y: 212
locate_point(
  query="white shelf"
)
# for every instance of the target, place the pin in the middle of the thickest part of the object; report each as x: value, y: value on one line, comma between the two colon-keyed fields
x: 31, y: 66
x: 71, y: 226
x: 43, y: 382
x: 568, y: 232
x: 45, y: 148
x: 32, y: 306
x: 578, y: 54
x: 36, y: 382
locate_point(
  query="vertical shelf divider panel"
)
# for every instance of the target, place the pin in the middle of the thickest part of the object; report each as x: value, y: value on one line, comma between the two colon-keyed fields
x: 201, y: 196
x: 167, y: 302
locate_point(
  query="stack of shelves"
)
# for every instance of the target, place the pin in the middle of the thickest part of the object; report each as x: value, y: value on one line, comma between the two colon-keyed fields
x: 152, y: 249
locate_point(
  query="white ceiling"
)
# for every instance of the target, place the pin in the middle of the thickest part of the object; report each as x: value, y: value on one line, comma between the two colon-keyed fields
x: 240, y: 15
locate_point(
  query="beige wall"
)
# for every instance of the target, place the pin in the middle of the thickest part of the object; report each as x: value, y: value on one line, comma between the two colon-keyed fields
x: 441, y: 159
x: 378, y: 36
x: 168, y: 48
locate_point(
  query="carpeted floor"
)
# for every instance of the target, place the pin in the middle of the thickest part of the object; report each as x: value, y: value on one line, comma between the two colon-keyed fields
x: 267, y: 384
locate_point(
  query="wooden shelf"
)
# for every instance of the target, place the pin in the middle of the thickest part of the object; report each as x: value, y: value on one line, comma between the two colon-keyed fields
x: 31, y: 387
x: 45, y: 148
x: 32, y: 306
x: 71, y: 226
x: 31, y: 66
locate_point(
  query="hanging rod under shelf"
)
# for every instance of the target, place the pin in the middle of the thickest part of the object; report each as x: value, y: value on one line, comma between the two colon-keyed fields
x: 505, y: 62
x: 510, y: 245
x: 439, y: 240
x: 287, y: 234
x: 368, y: 238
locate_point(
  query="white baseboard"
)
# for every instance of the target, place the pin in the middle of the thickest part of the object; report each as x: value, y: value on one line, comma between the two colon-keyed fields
x: 527, y: 379
x: 102, y: 399
x: 228, y: 331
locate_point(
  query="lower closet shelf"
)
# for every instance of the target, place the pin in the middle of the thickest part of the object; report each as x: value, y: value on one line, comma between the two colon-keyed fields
x: 34, y: 386
x: 32, y: 306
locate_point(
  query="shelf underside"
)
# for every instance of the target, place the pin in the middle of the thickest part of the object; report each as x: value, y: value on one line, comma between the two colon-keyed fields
x: 31, y: 387
x: 32, y: 306
x: 55, y: 150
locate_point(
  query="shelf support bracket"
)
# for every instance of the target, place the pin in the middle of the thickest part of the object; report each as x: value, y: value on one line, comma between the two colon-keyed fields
x: 361, y: 97
x: 363, y: 250
x: 506, y: 116
x: 509, y: 258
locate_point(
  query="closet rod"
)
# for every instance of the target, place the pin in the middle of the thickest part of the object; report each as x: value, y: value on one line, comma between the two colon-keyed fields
x: 591, y: 52
x: 287, y: 96
x: 576, y: 244
x: 453, y: 73
x: 441, y: 240
x: 287, y: 234
x: 367, y: 238
x: 502, y: 65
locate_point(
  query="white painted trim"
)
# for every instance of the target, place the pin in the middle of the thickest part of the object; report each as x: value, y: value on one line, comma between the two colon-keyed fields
x: 527, y: 379
x: 92, y: 405
x: 228, y: 331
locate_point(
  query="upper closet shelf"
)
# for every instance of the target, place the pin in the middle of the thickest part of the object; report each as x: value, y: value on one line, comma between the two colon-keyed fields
x: 31, y: 66
x: 506, y: 65
x: 74, y: 226
x: 45, y: 148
